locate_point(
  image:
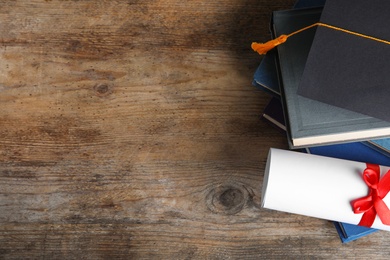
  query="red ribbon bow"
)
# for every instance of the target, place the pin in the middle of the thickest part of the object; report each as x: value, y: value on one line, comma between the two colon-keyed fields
x: 372, y: 204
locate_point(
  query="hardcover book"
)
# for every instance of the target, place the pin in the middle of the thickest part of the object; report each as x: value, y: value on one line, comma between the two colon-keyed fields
x: 348, y: 63
x: 310, y: 122
x: 381, y: 145
x: 349, y: 232
x: 266, y: 77
x: 273, y: 113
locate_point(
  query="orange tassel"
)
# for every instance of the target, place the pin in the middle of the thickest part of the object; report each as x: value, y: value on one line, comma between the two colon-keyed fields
x: 263, y: 48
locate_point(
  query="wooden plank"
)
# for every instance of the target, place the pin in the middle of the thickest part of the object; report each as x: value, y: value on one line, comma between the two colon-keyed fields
x: 130, y: 129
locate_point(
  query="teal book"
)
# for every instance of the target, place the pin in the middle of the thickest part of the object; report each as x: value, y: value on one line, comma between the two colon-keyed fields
x: 310, y: 122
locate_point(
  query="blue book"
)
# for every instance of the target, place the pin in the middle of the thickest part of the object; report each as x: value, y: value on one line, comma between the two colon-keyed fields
x: 381, y: 145
x: 266, y: 77
x: 349, y: 232
x: 351, y: 151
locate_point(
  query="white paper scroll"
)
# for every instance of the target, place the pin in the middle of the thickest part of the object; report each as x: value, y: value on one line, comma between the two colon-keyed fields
x: 315, y: 186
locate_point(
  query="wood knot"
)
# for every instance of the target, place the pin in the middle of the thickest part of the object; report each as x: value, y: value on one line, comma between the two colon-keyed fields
x: 103, y: 89
x: 228, y: 199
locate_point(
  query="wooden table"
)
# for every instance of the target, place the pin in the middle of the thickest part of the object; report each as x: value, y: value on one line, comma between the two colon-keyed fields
x: 130, y: 129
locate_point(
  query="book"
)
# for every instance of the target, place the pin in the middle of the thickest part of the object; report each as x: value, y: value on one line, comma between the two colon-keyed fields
x: 349, y: 70
x: 351, y: 151
x: 381, y: 145
x: 349, y: 232
x: 310, y: 122
x: 273, y: 113
x: 354, y: 151
x: 266, y: 77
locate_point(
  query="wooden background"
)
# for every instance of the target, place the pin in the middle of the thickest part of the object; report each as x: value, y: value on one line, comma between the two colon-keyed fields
x: 130, y: 129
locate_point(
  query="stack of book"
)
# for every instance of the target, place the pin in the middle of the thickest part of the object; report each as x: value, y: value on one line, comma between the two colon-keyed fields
x: 313, y: 125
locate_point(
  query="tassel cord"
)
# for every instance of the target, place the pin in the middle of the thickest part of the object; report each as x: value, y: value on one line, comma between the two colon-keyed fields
x: 263, y: 48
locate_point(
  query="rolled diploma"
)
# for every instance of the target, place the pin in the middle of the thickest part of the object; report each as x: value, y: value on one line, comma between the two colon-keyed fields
x: 315, y: 186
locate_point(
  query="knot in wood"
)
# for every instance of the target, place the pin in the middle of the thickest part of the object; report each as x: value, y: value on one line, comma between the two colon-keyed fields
x: 231, y: 198
x: 103, y: 89
x: 227, y: 199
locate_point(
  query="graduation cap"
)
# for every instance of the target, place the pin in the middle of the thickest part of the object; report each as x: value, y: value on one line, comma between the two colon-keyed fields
x: 348, y: 65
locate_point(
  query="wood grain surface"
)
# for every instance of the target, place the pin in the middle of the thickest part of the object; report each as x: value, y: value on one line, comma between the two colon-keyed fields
x: 130, y: 130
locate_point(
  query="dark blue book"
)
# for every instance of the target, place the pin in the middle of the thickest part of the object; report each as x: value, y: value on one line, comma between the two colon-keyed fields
x: 266, y: 77
x: 381, y: 145
x: 273, y: 113
x: 351, y: 151
x: 349, y: 232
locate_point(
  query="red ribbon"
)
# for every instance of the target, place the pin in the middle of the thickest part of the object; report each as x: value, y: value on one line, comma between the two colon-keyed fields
x: 372, y: 204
